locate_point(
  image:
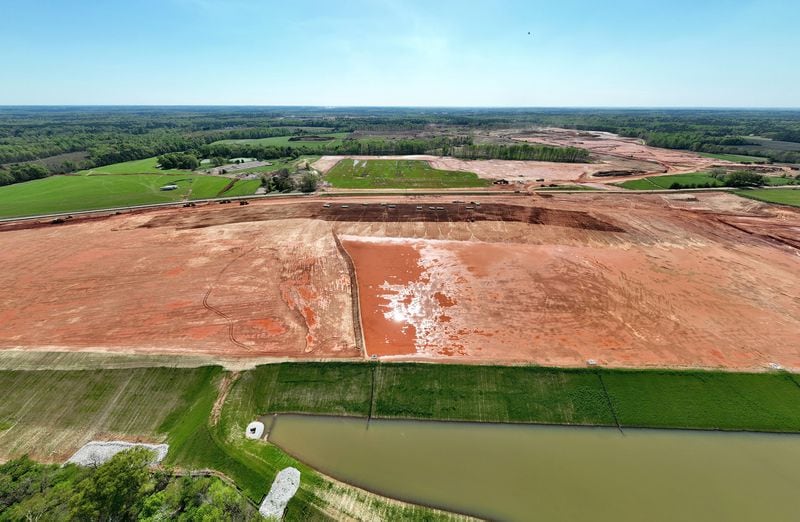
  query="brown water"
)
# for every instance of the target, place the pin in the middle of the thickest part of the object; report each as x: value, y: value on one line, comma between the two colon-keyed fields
x: 519, y: 472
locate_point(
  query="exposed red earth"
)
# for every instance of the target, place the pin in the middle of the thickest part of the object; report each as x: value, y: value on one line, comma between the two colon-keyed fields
x: 705, y: 280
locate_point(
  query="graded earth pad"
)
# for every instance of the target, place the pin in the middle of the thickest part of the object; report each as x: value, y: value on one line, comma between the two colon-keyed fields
x: 126, y: 284
x: 557, y: 279
x: 513, y: 171
x: 648, y: 286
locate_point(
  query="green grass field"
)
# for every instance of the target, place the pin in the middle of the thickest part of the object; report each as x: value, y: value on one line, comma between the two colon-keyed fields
x: 74, y: 193
x: 48, y: 412
x: 697, y: 178
x: 715, y: 400
x: 664, y: 182
x: 737, y: 158
x: 283, y: 141
x: 144, y: 166
x: 408, y: 174
x: 782, y: 196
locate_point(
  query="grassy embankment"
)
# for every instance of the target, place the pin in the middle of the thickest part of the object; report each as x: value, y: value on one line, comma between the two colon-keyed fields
x: 736, y: 158
x: 402, y: 174
x: 676, y: 399
x: 696, y: 179
x: 118, y: 185
x: 50, y: 413
x: 782, y: 196
x: 69, y: 407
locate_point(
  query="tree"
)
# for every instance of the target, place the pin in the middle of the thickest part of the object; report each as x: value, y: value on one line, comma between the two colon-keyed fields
x: 308, y: 183
x: 114, y: 490
x: 28, y: 172
x: 281, y: 181
x: 69, y: 166
x: 178, y: 160
x: 218, y: 161
x: 745, y: 178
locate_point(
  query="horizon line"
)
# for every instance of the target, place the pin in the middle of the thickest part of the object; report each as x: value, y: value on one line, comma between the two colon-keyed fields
x: 490, y: 107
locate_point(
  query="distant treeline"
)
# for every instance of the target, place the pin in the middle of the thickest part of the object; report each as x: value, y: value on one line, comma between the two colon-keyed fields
x: 114, y: 134
x: 369, y: 147
x: 20, y: 173
x: 522, y: 152
x: 458, y: 146
x: 700, y: 142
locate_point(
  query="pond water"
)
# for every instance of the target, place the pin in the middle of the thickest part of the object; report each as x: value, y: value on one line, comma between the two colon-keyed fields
x: 523, y: 472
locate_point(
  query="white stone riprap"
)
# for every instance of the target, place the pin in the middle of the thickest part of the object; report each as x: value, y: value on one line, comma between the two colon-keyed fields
x: 283, y: 489
x: 96, y: 452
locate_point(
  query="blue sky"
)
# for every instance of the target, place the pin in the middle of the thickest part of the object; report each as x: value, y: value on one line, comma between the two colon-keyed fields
x: 392, y: 52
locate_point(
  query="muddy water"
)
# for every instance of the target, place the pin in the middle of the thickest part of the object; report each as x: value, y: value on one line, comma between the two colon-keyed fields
x: 556, y: 473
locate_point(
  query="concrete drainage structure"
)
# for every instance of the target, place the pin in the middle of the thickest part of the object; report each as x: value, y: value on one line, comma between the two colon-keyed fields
x: 254, y: 430
x: 97, y: 452
x: 283, y: 489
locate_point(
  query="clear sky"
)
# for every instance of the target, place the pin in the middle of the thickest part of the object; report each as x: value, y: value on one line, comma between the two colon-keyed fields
x: 715, y: 53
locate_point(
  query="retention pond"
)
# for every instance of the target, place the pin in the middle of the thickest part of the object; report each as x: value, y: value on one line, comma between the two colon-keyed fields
x: 523, y: 472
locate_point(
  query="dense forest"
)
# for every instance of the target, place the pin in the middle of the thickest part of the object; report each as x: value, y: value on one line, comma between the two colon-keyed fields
x: 124, y: 488
x: 64, y: 139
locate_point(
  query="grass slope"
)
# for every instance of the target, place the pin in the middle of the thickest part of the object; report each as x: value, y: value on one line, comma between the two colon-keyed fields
x: 73, y: 193
x: 143, y: 166
x: 697, y: 178
x: 782, y: 196
x: 679, y: 399
x: 715, y: 400
x: 48, y: 413
x: 736, y: 158
x: 350, y: 173
x: 491, y: 394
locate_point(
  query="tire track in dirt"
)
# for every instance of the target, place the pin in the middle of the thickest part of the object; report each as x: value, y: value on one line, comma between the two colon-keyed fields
x: 230, y: 320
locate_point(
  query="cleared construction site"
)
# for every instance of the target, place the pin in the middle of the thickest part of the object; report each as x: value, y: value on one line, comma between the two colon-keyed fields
x: 664, y: 280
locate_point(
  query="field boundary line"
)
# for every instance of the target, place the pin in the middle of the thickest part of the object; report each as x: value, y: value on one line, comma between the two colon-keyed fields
x: 791, y: 378
x: 610, y: 404
x: 372, y: 396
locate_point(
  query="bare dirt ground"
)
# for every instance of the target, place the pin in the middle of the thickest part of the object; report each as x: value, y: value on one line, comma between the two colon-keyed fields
x: 526, y: 173
x: 607, y: 144
x: 632, y: 283
x: 703, y: 280
x: 125, y: 284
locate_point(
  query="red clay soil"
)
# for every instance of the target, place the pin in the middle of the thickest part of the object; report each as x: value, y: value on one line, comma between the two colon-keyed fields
x: 673, y: 289
x: 235, y: 290
x: 628, y: 280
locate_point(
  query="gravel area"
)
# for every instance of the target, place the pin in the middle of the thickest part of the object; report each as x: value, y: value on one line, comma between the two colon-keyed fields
x: 97, y: 452
x: 283, y: 489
